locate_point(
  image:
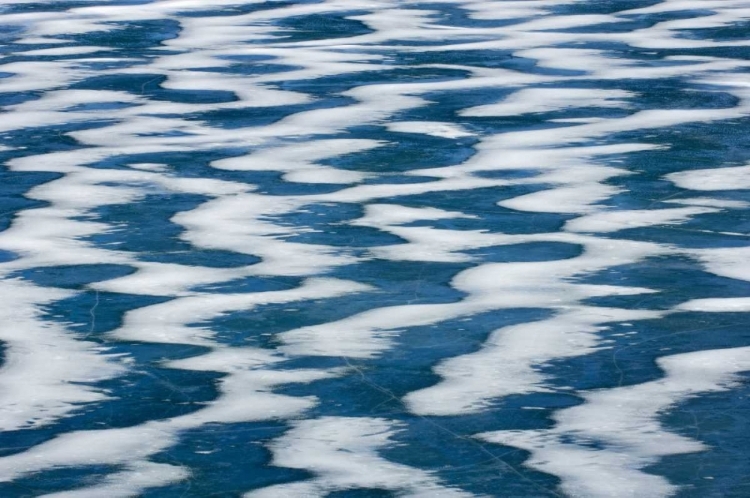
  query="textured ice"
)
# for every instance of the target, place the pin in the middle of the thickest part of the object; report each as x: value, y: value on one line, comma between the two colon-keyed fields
x: 456, y: 248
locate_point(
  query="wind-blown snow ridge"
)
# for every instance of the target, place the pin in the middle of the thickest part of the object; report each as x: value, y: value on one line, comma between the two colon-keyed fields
x: 278, y: 151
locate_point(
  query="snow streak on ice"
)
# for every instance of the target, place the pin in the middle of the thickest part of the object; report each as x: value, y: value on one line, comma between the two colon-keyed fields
x: 375, y: 244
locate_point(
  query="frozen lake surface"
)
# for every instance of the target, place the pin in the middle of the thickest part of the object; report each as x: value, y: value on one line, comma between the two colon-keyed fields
x: 375, y: 248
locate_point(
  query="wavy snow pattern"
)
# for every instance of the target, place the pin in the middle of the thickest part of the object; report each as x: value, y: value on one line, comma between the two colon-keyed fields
x: 374, y: 248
